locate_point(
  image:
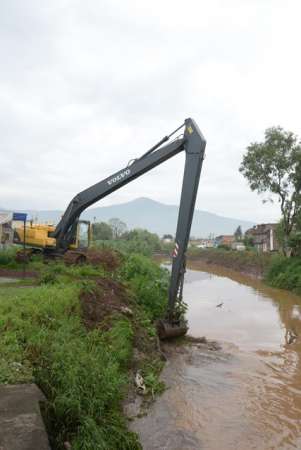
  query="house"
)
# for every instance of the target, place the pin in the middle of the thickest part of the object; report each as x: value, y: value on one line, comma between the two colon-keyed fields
x: 205, y: 243
x: 224, y: 239
x: 167, y: 238
x: 238, y: 245
x: 264, y: 237
x: 201, y: 242
x: 6, y: 232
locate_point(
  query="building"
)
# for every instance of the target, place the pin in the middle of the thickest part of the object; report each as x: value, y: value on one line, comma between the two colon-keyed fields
x: 224, y: 239
x: 205, y: 243
x: 6, y: 232
x: 167, y: 238
x: 238, y: 245
x: 264, y: 237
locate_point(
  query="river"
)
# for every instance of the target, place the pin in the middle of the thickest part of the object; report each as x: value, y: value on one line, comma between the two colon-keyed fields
x: 245, y: 395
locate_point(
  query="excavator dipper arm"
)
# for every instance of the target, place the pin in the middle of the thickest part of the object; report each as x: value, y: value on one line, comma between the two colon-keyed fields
x: 193, y: 143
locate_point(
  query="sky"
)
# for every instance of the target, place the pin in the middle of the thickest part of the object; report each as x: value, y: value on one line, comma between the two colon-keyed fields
x: 87, y: 86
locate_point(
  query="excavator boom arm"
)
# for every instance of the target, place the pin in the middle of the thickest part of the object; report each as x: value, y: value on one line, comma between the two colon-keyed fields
x: 194, y: 144
x: 105, y: 187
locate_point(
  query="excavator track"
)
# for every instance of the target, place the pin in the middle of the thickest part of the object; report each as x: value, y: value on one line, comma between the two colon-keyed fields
x: 72, y: 257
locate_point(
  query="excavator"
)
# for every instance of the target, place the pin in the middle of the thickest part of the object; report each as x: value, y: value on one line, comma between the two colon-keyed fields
x: 71, y: 236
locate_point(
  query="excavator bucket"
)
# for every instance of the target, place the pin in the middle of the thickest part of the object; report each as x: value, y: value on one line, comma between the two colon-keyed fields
x: 169, y: 330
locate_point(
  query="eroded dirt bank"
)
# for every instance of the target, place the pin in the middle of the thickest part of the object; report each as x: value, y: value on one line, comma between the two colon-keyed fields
x: 253, y: 267
x: 244, y: 395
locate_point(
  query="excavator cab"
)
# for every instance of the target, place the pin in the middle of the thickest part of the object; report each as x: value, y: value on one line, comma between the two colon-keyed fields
x: 83, y: 235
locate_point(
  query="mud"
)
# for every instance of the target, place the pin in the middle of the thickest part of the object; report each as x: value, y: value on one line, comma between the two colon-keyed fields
x: 253, y: 266
x: 99, y: 302
x: 109, y: 259
x: 12, y: 273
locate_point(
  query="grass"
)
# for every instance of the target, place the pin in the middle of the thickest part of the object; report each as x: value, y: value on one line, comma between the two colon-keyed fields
x: 7, y: 257
x: 285, y: 273
x: 83, y: 374
x: 149, y: 282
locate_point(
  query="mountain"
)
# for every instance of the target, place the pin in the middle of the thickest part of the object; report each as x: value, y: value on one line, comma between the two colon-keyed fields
x: 154, y: 216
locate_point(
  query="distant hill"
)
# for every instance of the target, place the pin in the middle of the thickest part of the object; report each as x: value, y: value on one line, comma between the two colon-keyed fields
x: 154, y: 216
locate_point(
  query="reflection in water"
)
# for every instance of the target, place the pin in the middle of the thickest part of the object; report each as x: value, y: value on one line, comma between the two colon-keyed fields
x: 246, y: 396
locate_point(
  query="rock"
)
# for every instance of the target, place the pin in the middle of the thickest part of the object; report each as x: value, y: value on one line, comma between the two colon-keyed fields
x: 139, y: 382
x: 127, y: 311
x: 21, y: 423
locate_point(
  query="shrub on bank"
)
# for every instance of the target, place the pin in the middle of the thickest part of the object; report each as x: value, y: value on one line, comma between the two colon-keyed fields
x: 7, y: 257
x: 285, y: 273
x: 149, y: 282
x: 278, y: 271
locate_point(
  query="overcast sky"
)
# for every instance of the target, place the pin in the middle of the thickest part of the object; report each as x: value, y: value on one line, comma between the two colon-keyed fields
x: 87, y: 85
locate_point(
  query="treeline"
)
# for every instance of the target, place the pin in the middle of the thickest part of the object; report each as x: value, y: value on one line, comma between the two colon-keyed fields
x: 115, y: 234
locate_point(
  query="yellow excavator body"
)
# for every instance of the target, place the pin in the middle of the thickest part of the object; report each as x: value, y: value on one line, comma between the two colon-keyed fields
x: 38, y: 236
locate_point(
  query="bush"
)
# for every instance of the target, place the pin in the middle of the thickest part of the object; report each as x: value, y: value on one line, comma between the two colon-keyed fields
x: 149, y: 282
x: 224, y: 247
x: 134, y: 241
x: 102, y: 231
x: 7, y: 257
x: 285, y: 273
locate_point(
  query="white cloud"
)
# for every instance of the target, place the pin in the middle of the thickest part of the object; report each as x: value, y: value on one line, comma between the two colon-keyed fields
x: 86, y: 86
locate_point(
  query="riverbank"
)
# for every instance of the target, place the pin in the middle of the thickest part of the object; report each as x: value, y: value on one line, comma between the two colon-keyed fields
x: 82, y: 334
x: 246, y: 262
x: 273, y: 269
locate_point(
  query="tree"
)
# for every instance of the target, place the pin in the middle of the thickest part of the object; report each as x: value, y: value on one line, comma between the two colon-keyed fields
x: 102, y: 231
x: 118, y: 227
x: 238, y: 233
x: 143, y: 239
x: 294, y: 241
x: 274, y: 167
x: 167, y: 236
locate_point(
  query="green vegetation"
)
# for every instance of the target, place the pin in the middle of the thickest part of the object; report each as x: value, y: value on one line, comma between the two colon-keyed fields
x: 238, y: 234
x: 276, y: 270
x: 247, y: 261
x: 285, y: 273
x: 118, y: 227
x: 273, y: 167
x: 134, y: 241
x: 85, y: 373
x: 102, y: 231
x: 149, y: 282
x: 7, y: 257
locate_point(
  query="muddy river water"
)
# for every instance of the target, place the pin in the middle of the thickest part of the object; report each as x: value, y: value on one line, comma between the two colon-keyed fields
x: 246, y: 395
